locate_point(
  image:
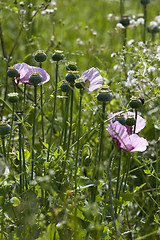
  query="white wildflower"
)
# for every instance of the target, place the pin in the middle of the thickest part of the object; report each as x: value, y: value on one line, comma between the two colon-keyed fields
x: 140, y: 21
x: 110, y: 16
x: 157, y: 19
x: 119, y: 26
x: 152, y: 25
x: 130, y: 42
x: 151, y: 69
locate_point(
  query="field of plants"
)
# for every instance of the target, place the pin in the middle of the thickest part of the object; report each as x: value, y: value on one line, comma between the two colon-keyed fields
x: 79, y: 120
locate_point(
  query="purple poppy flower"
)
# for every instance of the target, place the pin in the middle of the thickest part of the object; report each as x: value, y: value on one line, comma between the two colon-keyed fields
x: 125, y: 140
x: 26, y: 70
x: 94, y: 78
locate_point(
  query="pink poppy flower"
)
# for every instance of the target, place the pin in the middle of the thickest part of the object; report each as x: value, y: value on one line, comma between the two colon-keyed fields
x: 94, y: 78
x: 125, y: 140
x: 26, y: 70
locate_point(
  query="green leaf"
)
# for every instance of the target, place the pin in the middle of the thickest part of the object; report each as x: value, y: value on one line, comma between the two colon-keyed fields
x: 15, y: 201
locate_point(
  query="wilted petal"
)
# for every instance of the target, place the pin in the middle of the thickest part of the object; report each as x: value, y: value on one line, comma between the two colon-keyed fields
x: 121, y: 133
x: 94, y: 78
x: 25, y: 71
x: 139, y: 143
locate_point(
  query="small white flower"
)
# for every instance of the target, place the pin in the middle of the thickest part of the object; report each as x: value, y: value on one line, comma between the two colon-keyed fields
x: 109, y: 16
x: 157, y: 19
x: 130, y: 42
x: 132, y: 23
x: 158, y: 49
x: 117, y: 67
x: 140, y: 44
x: 151, y: 69
x: 140, y: 21
x: 22, y: 11
x: 79, y: 41
x: 119, y: 26
x: 21, y: 3
x: 152, y: 25
x: 43, y: 12
x: 113, y: 55
x: 53, y: 3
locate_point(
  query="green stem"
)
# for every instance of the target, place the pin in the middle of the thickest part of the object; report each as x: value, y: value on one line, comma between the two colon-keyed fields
x: 42, y: 113
x: 100, y: 150
x: 111, y: 201
x: 40, y: 65
x: 145, y: 20
x: 24, y: 98
x: 118, y: 177
x: 20, y: 155
x: 65, y: 121
x: 70, y: 126
x: 127, y: 172
x: 121, y: 8
x: 24, y: 163
x: 33, y: 130
x: 65, y: 134
x: 53, y: 113
x: 78, y: 137
x: 100, y: 156
x: 4, y: 148
x: 10, y: 137
x: 2, y: 215
x: 136, y: 120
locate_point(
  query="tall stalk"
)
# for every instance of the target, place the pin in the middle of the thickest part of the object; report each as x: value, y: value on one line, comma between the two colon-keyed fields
x: 20, y: 155
x: 145, y: 21
x: 53, y: 113
x: 33, y: 131
x: 78, y: 137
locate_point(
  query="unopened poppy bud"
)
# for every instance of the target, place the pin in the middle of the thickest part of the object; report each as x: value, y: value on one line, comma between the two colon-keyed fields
x: 130, y: 121
x: 35, y: 78
x: 12, y: 72
x: 125, y: 20
x: 80, y: 83
x: 135, y: 102
x: 13, y: 97
x: 65, y: 87
x: 71, y: 66
x: 145, y: 2
x: 57, y: 55
x: 104, y: 94
x: 40, y: 56
x: 71, y: 76
x: 121, y: 119
x: 4, y: 129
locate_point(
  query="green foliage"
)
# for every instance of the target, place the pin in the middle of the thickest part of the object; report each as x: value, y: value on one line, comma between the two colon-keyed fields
x: 68, y: 196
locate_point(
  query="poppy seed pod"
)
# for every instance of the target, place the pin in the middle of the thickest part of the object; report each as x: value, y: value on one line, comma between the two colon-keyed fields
x: 35, y: 78
x: 104, y: 94
x: 71, y: 66
x: 13, y: 97
x: 12, y: 72
x: 121, y: 119
x: 130, y: 121
x: 65, y: 87
x: 145, y: 2
x: 40, y: 56
x: 153, y: 27
x: 80, y: 83
x: 125, y: 20
x: 135, y: 102
x: 4, y: 129
x: 71, y: 76
x: 57, y: 55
